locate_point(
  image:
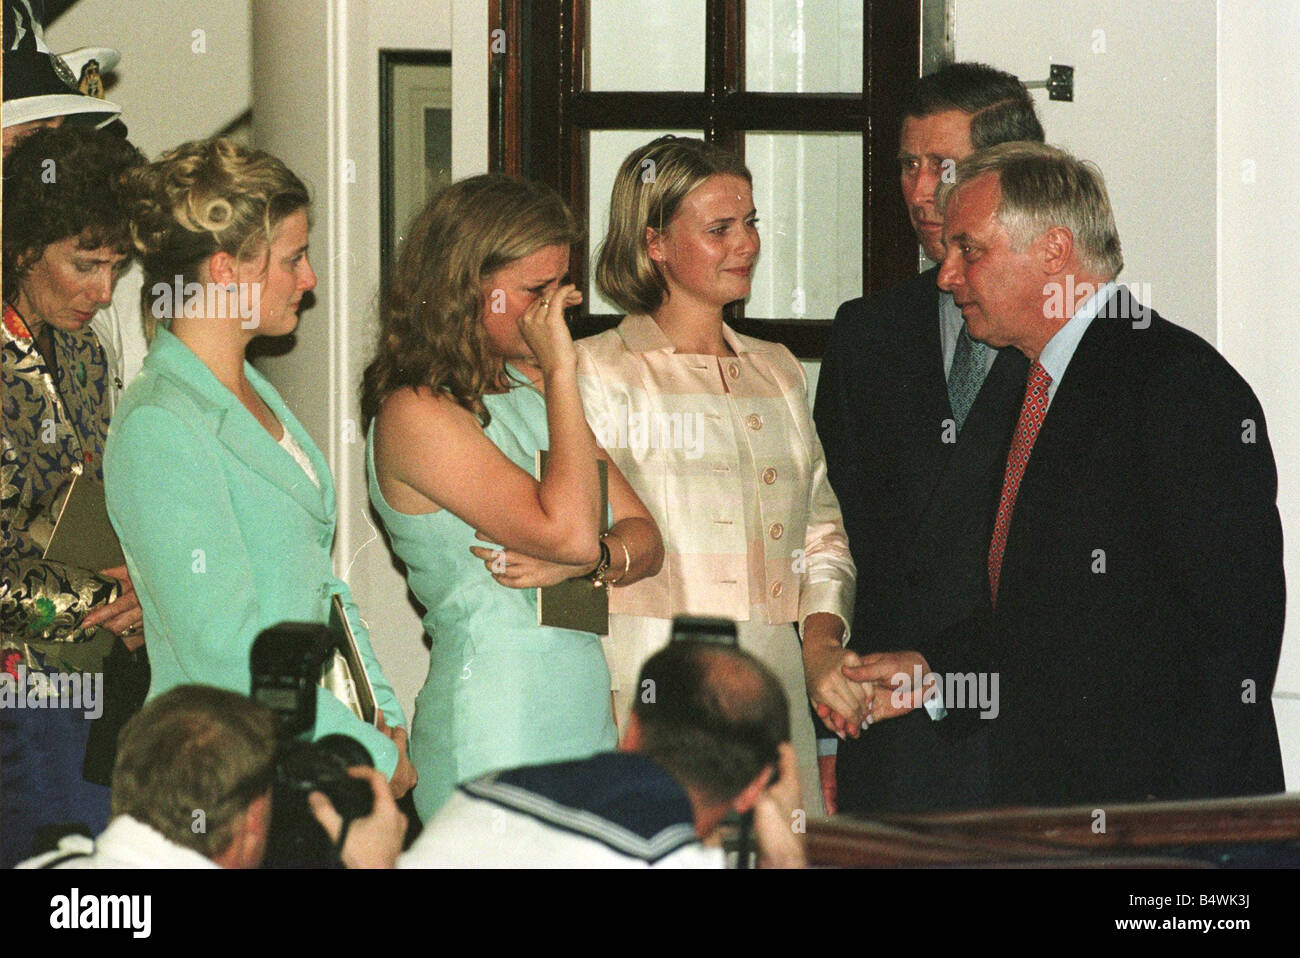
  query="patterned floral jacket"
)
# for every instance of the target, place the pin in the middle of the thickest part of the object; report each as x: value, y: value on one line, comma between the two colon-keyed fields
x: 55, y: 424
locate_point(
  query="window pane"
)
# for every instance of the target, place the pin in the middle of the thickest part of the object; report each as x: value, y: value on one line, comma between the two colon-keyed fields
x: 808, y: 192
x: 608, y: 149
x: 634, y: 46
x: 803, y: 47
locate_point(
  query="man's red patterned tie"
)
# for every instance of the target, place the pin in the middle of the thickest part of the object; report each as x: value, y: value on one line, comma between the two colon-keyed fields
x: 1022, y: 444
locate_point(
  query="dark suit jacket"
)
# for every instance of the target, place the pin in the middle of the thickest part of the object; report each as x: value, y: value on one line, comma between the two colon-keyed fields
x: 918, y: 512
x: 1139, y: 617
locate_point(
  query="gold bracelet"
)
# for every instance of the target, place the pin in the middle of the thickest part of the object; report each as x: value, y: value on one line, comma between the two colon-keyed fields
x: 599, y: 576
x: 627, y: 559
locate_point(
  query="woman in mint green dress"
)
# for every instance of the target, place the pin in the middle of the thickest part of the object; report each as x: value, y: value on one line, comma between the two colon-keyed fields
x: 474, y: 373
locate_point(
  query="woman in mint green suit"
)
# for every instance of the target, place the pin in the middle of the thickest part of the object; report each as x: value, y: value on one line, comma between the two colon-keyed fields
x: 224, y: 506
x: 474, y: 373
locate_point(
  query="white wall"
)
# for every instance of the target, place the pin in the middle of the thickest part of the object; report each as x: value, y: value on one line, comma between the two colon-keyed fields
x: 296, y: 107
x: 318, y: 108
x: 1259, y: 267
x: 173, y: 84
x: 1143, y: 110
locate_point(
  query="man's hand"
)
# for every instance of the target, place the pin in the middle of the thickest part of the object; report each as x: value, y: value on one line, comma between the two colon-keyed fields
x: 374, y: 841
x: 841, y: 701
x: 891, y: 674
x: 779, y: 845
x: 123, y: 615
x: 404, y: 776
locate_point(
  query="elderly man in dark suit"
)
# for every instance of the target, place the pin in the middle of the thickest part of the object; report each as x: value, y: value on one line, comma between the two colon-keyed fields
x: 915, y: 418
x: 1135, y: 595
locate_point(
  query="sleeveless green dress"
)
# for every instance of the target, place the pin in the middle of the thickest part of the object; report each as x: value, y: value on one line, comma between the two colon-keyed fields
x: 501, y: 691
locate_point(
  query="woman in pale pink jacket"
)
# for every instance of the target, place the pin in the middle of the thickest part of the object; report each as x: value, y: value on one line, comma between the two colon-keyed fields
x: 713, y: 431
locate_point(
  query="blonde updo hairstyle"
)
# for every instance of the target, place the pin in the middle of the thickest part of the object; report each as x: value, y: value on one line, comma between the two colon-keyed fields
x: 202, y: 198
x: 648, y: 190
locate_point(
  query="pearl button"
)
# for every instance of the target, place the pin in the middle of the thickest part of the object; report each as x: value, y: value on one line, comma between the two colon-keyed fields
x: 769, y: 475
x: 776, y: 530
x: 776, y: 589
x: 733, y: 370
x: 754, y: 421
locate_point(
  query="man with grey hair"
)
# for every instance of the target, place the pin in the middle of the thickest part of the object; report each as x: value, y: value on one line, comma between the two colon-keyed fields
x: 1135, y: 585
x: 915, y: 418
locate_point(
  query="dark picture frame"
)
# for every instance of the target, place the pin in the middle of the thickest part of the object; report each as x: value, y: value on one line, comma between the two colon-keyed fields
x: 391, y: 220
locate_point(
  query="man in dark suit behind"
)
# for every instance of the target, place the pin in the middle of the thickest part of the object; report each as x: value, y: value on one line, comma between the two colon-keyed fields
x: 915, y: 439
x: 1136, y: 594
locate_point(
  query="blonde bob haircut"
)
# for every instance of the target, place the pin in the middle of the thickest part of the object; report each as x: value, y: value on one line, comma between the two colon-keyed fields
x: 648, y: 190
x: 202, y: 198
x: 1042, y: 187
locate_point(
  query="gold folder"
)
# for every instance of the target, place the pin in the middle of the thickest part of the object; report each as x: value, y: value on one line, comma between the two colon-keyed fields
x: 83, y: 537
x: 576, y: 603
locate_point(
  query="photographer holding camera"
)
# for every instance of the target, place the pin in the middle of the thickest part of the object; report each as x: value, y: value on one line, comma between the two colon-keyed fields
x: 198, y: 767
x: 709, y: 734
x: 192, y: 789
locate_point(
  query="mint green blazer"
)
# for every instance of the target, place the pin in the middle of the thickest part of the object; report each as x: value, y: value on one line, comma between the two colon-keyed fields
x: 224, y: 534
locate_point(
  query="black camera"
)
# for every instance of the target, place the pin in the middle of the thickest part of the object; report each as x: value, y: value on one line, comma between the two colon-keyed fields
x: 696, y: 628
x: 286, y: 663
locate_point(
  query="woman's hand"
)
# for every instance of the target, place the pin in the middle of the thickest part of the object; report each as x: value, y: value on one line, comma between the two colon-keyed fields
x: 843, y: 704
x: 892, y: 676
x: 514, y: 570
x: 404, y: 776
x: 546, y: 332
x: 123, y: 616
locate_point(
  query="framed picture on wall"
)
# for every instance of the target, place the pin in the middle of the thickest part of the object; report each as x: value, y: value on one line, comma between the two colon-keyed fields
x: 414, y: 139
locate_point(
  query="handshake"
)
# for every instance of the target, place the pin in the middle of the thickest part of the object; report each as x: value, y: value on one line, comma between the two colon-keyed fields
x: 850, y: 692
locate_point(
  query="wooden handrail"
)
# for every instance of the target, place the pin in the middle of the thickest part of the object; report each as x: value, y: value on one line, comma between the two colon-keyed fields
x: 1132, y: 835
